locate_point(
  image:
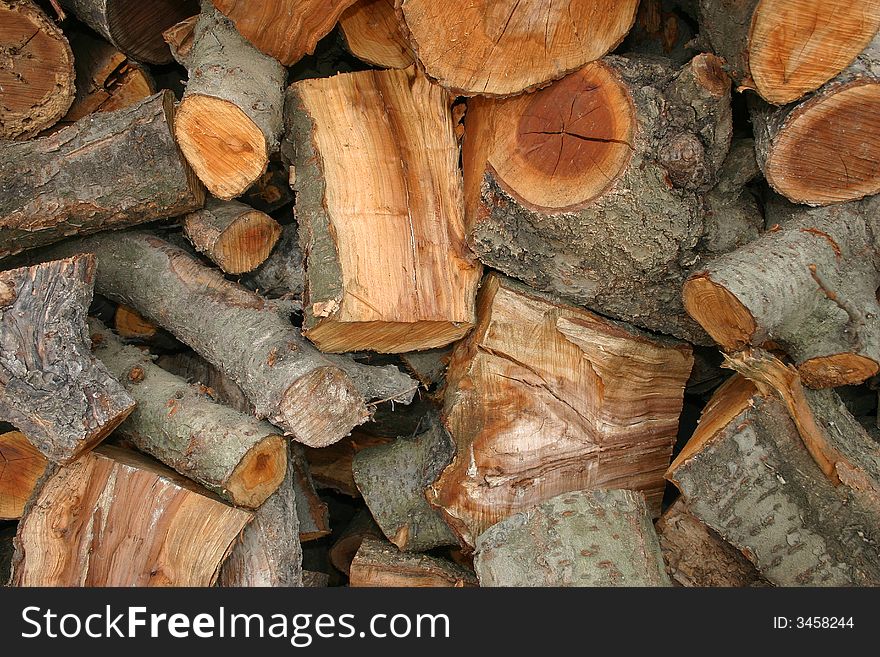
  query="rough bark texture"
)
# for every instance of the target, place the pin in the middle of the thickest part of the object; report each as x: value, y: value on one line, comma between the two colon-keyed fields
x: 587, y: 538
x: 393, y: 478
x: 268, y: 552
x: 379, y: 205
x: 210, y: 380
x: 284, y: 29
x: 247, y: 337
x: 808, y: 285
x: 373, y: 33
x: 785, y: 48
x: 21, y: 466
x: 361, y: 527
x: 236, y: 456
x: 312, y: 511
x: 230, y: 118
x: 545, y: 398
x: 234, y: 236
x: 109, y: 170
x: 134, y: 27
x: 824, y: 148
x: 282, y: 275
x: 36, y: 70
x: 747, y: 474
x: 380, y: 564
x: 599, y: 188
x: 505, y: 48
x: 331, y: 466
x: 106, y: 80
x: 51, y: 386
x: 696, y: 556
x: 117, y: 518
x: 429, y: 366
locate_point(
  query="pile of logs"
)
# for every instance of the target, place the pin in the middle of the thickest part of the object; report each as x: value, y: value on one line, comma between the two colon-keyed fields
x: 385, y: 293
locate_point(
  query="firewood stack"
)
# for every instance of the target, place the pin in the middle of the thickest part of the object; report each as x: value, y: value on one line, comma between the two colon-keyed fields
x: 410, y: 293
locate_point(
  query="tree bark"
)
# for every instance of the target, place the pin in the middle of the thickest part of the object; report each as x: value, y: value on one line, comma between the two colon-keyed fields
x: 808, y: 284
x: 230, y: 118
x: 282, y: 275
x: 393, y: 479
x: 51, y: 386
x: 503, y: 49
x: 331, y: 466
x: 824, y: 148
x: 21, y: 466
x: 107, y: 171
x: 343, y: 551
x: 545, y: 398
x: 269, y: 552
x: 210, y: 380
x: 246, y: 337
x: 380, y: 564
x: 696, y: 556
x: 36, y: 70
x: 134, y: 27
x: 750, y: 476
x: 179, y: 38
x: 587, y: 538
x: 606, y: 204
x: 429, y: 366
x: 373, y: 34
x: 312, y: 511
x: 113, y: 534
x: 380, y: 217
x: 784, y: 49
x: 234, y: 236
x: 236, y: 456
x: 284, y: 29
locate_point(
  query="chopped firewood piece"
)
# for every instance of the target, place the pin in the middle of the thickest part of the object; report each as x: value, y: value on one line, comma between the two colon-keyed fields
x: 331, y: 466
x: 311, y: 510
x: 373, y: 33
x: 362, y: 526
x: 21, y: 466
x: 379, y: 564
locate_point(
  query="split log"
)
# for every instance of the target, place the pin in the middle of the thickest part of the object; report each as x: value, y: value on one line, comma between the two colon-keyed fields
x: 269, y: 552
x: 311, y: 510
x: 748, y: 474
x: 117, y: 518
x: 179, y: 38
x: 284, y: 29
x: 331, y: 466
x: 584, y: 538
x: 343, y: 551
x: 286, y: 379
x: 505, y: 48
x: 544, y: 398
x: 596, y: 188
x: 134, y: 27
x: 380, y: 564
x: 380, y: 219
x: 696, y: 556
x: 373, y: 34
x: 21, y: 466
x: 824, y: 149
x: 282, y: 275
x: 784, y: 49
x: 51, y: 386
x: 808, y: 285
x: 236, y: 456
x: 36, y: 70
x: 230, y: 118
x: 106, y: 80
x: 106, y: 171
x: 232, y: 235
x: 393, y: 478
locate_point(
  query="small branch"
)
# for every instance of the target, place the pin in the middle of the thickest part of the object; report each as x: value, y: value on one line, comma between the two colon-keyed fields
x: 856, y: 318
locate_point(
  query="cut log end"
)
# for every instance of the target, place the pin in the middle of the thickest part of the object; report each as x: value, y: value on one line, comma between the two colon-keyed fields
x: 137, y: 27
x: 384, y: 337
x: 259, y: 473
x: 562, y: 147
x: 374, y: 35
x: 502, y: 49
x: 718, y: 311
x: 21, y: 465
x: 223, y: 145
x: 795, y: 47
x: 238, y: 239
x: 828, y: 151
x: 36, y: 71
x: 130, y: 324
x: 837, y: 370
x: 326, y: 387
